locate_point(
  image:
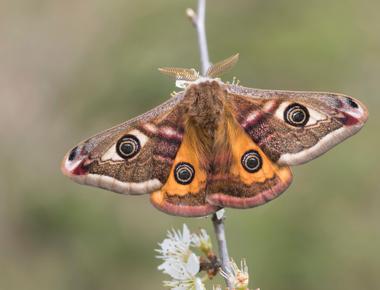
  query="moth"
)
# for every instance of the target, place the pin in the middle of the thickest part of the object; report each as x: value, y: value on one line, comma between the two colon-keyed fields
x: 214, y: 144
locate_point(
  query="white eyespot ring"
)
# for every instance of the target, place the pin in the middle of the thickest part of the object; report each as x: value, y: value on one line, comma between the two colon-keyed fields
x: 184, y: 173
x: 296, y: 115
x: 251, y: 161
x: 128, y: 146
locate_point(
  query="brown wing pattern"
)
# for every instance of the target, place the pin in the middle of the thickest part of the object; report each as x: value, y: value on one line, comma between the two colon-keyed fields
x: 215, y: 146
x: 331, y: 118
x: 252, y: 178
x: 184, y: 192
x: 156, y: 137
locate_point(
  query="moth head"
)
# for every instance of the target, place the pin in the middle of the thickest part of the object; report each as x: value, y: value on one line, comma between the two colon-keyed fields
x: 315, y: 122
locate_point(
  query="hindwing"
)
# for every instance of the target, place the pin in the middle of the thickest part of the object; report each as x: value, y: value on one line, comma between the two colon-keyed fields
x: 251, y: 178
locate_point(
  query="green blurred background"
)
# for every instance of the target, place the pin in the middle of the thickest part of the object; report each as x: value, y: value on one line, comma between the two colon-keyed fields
x: 69, y: 69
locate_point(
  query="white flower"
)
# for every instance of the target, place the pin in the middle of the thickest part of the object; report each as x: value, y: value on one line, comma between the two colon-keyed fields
x: 179, y: 261
x: 239, y: 278
x: 191, y: 284
x: 201, y: 241
x: 177, y: 244
x: 181, y: 269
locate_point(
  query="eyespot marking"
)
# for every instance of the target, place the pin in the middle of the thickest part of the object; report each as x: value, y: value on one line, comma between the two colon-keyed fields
x: 313, y: 118
x: 128, y: 146
x: 296, y: 115
x: 184, y: 173
x: 251, y: 161
x: 113, y: 154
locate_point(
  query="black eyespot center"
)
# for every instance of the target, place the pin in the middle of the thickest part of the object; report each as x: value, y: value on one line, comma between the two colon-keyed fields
x: 296, y: 115
x: 352, y: 103
x: 184, y: 173
x: 251, y: 161
x: 128, y: 146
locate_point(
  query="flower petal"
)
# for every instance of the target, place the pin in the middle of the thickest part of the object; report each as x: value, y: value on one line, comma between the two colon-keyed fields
x: 193, y: 264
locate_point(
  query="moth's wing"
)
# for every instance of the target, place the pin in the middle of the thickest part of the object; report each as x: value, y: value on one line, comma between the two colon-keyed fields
x: 331, y: 119
x: 232, y: 185
x: 159, y: 132
x: 260, y: 123
x: 180, y: 196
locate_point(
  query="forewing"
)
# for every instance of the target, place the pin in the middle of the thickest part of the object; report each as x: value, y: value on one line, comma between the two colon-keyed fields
x: 264, y: 115
x: 156, y: 134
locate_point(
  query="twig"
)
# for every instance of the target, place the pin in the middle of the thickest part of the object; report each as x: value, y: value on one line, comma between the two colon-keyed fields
x: 218, y: 223
x: 198, y: 20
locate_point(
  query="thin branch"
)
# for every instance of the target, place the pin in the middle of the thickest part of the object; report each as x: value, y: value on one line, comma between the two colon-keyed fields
x: 198, y: 20
x: 218, y: 223
x: 202, y: 39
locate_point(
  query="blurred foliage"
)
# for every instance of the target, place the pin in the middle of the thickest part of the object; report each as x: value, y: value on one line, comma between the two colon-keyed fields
x: 70, y: 69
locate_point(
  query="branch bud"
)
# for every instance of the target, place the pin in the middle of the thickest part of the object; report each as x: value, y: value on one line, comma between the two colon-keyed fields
x: 190, y: 13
